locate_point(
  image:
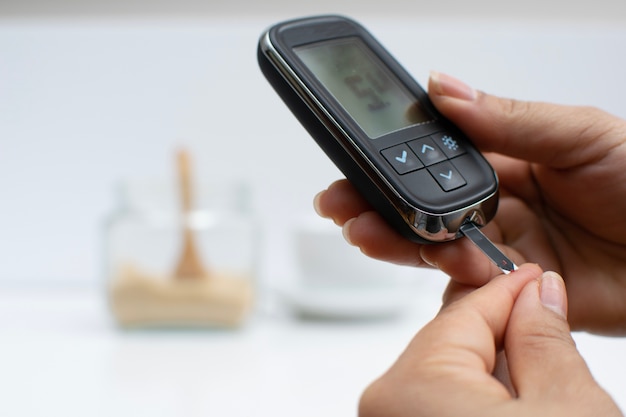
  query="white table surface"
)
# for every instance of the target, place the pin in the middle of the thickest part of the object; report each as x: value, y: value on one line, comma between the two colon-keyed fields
x: 62, y: 355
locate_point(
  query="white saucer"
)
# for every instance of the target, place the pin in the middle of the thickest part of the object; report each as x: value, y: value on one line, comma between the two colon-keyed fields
x: 349, y: 302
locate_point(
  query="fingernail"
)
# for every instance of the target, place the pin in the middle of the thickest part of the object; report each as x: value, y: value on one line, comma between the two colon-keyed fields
x: 345, y: 230
x: 316, y: 203
x: 445, y: 85
x: 426, y: 259
x: 552, y: 293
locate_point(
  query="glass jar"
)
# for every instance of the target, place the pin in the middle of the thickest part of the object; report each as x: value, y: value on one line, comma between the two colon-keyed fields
x: 149, y: 236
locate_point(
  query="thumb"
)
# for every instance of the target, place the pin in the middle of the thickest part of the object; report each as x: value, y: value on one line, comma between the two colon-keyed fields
x: 543, y: 360
x: 559, y: 136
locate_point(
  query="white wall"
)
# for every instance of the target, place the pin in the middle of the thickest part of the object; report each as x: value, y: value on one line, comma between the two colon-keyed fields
x: 601, y: 10
x: 86, y: 101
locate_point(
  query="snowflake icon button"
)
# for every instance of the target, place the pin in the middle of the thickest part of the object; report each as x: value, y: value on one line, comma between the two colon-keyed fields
x: 449, y: 143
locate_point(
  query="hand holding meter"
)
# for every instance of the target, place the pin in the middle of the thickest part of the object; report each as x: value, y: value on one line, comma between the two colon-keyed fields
x: 379, y: 127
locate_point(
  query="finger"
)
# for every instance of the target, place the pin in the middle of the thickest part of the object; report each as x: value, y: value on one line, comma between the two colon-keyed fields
x: 376, y: 239
x: 451, y: 359
x: 558, y: 136
x: 542, y: 357
x: 522, y: 228
x: 464, y: 262
x: 471, y: 324
x: 501, y: 373
x: 454, y: 292
x: 340, y: 202
x: 516, y: 177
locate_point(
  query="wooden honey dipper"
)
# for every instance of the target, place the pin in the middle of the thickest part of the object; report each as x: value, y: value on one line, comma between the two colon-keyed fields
x: 190, y: 265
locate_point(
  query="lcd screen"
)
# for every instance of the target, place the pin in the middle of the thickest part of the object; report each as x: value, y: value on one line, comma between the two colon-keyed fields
x: 377, y: 101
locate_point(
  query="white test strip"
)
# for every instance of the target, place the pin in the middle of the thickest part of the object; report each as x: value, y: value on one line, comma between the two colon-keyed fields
x: 473, y: 233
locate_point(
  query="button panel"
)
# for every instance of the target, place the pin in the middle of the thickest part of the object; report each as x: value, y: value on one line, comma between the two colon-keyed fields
x: 433, y: 152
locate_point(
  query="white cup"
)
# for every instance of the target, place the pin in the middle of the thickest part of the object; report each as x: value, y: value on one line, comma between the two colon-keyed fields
x: 334, y: 280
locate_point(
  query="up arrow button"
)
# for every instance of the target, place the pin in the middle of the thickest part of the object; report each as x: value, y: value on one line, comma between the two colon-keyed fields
x: 427, y: 151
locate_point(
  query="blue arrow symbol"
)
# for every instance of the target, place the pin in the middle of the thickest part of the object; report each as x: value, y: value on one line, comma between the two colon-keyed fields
x: 402, y: 158
x: 447, y: 176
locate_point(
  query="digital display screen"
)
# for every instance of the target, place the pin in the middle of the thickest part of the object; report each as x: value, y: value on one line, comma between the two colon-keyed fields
x: 368, y: 91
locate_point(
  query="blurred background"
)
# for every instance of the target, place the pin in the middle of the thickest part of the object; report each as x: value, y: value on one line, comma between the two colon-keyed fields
x: 97, y: 95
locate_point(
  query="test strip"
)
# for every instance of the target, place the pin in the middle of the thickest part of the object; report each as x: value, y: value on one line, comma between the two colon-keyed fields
x: 473, y: 233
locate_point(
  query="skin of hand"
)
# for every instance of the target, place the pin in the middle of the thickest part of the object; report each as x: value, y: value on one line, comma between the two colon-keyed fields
x: 562, y: 201
x: 447, y: 369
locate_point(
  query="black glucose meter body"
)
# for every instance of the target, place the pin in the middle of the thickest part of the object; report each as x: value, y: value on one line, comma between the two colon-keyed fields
x: 378, y: 126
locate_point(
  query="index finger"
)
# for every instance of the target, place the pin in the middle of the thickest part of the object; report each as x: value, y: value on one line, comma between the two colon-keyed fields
x: 469, y: 328
x: 556, y: 135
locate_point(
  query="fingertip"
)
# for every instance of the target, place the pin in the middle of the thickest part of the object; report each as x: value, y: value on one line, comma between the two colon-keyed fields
x: 340, y: 202
x: 534, y: 271
x: 317, y: 206
x: 377, y: 239
x: 346, y: 229
x: 524, y: 274
x: 444, y: 85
